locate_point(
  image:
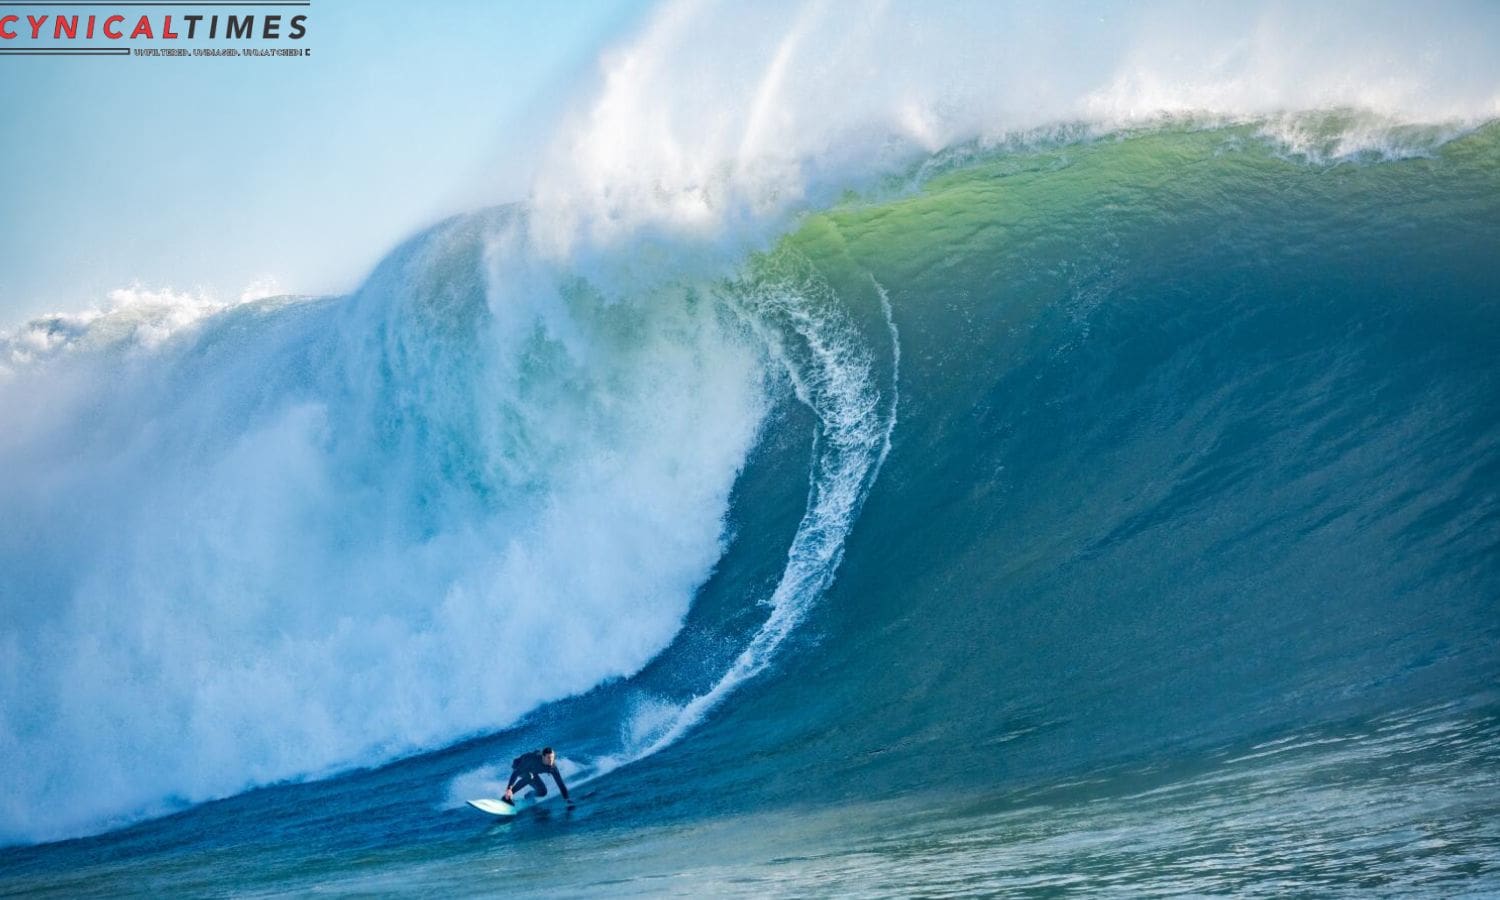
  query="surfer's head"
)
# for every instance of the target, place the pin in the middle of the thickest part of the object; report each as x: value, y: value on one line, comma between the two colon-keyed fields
x: 548, y: 756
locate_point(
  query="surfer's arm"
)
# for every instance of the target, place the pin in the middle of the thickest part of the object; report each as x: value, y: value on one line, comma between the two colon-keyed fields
x: 557, y: 777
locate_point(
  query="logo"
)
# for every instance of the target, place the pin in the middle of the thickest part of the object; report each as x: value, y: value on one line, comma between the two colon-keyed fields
x: 167, y: 28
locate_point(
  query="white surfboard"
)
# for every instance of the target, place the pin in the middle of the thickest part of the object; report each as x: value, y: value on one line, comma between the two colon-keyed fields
x: 494, y: 807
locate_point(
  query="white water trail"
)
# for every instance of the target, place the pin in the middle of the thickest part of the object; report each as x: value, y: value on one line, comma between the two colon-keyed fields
x: 835, y: 379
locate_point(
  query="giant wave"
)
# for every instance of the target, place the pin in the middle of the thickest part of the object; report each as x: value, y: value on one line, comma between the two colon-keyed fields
x: 273, y: 540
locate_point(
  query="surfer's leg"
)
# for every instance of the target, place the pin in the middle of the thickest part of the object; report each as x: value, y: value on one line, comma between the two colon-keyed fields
x: 538, y: 786
x: 517, y: 784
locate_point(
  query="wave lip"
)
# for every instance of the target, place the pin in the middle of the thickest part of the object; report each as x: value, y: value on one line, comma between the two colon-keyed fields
x: 681, y: 136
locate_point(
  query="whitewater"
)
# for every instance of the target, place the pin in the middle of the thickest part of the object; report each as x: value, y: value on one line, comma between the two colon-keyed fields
x: 1032, y: 451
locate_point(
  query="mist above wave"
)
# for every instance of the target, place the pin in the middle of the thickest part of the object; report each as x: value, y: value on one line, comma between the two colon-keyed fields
x: 717, y: 120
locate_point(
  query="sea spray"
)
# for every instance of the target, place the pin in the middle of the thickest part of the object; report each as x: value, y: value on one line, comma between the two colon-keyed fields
x: 352, y: 529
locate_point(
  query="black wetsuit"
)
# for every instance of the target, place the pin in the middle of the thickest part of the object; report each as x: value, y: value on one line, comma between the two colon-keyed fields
x: 528, y: 769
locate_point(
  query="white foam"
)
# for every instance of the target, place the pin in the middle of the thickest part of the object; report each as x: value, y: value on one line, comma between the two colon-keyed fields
x: 137, y: 316
x: 218, y: 574
x: 833, y: 374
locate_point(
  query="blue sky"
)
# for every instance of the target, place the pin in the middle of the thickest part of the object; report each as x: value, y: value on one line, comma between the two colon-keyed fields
x: 210, y: 175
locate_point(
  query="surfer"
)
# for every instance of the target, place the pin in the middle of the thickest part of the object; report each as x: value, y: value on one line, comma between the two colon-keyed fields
x: 527, y: 770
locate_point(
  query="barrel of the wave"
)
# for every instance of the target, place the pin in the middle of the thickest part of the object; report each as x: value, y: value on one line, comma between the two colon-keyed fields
x: 1196, y: 432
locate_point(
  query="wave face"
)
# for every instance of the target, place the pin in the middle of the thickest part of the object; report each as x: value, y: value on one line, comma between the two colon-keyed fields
x: 1198, y: 440
x: 1098, y: 444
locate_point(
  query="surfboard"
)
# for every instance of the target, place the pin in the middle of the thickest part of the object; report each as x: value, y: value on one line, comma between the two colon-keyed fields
x: 497, y: 807
x: 494, y: 807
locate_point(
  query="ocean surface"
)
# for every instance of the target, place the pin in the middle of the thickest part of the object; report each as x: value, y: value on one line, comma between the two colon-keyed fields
x: 1109, y: 511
